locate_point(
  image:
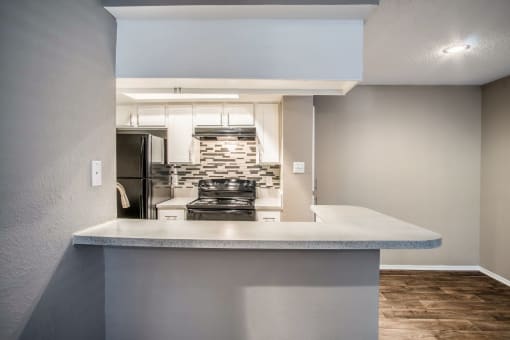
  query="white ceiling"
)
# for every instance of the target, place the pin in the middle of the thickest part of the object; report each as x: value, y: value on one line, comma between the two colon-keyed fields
x: 404, y: 39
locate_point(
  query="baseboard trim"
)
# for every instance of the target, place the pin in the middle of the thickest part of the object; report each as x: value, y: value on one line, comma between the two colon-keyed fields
x: 495, y: 276
x: 428, y: 267
x: 446, y: 268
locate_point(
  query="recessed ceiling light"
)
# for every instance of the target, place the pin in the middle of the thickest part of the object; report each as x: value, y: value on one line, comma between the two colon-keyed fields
x: 163, y: 96
x: 456, y: 48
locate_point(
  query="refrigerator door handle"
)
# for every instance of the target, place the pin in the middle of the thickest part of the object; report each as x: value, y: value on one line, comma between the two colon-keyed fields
x: 140, y: 206
x: 143, y: 159
x: 149, y: 209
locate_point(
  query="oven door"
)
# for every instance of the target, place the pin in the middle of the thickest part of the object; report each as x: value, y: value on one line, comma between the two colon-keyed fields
x: 221, y: 214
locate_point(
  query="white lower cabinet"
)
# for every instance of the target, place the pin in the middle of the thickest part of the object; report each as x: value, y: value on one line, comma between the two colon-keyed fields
x: 172, y: 214
x: 268, y: 216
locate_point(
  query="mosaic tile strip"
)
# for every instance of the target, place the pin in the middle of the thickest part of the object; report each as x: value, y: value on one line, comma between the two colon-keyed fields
x: 228, y: 159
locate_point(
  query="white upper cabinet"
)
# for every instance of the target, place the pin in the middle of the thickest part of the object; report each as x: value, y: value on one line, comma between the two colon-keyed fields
x: 207, y: 114
x: 267, y: 123
x: 126, y: 115
x: 151, y: 116
x: 239, y: 114
x: 181, y: 146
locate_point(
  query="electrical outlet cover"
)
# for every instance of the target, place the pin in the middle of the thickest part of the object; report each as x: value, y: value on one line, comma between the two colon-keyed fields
x: 298, y: 167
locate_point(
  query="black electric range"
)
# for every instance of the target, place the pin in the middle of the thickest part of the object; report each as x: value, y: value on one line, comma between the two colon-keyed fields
x: 224, y: 199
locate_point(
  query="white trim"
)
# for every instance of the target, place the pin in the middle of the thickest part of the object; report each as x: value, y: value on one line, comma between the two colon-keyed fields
x: 495, y: 276
x: 428, y: 267
x: 446, y: 268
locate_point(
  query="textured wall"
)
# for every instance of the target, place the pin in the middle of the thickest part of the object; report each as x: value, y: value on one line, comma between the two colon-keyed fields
x: 297, y: 146
x: 495, y: 213
x: 412, y: 152
x: 57, y: 114
x: 228, y: 159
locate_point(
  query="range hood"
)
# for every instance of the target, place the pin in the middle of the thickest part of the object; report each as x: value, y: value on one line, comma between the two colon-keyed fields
x: 225, y: 133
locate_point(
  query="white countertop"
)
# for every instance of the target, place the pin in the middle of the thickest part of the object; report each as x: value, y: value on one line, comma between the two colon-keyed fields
x: 265, y: 203
x: 175, y: 203
x: 353, y: 228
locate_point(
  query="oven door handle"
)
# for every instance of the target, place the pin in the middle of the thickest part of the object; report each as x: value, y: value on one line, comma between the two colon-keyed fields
x: 233, y: 212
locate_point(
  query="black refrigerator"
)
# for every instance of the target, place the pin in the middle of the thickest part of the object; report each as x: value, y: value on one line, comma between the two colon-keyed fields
x: 142, y: 172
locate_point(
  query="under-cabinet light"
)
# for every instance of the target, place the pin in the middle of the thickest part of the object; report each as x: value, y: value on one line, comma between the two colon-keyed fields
x: 163, y: 96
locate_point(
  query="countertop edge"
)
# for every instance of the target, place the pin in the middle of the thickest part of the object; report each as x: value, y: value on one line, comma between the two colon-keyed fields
x: 252, y: 244
x: 341, y: 234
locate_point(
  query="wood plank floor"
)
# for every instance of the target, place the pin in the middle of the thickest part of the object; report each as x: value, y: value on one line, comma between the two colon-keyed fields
x: 442, y: 305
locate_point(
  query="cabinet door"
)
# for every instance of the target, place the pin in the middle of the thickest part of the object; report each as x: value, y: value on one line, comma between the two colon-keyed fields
x: 180, y: 133
x: 125, y: 115
x: 171, y: 214
x: 239, y: 114
x: 151, y: 115
x: 207, y: 115
x: 267, y: 122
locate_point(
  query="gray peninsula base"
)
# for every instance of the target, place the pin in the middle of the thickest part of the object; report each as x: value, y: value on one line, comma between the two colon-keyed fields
x: 207, y: 294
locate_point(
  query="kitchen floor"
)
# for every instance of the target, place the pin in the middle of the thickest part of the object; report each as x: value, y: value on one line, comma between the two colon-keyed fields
x: 442, y: 305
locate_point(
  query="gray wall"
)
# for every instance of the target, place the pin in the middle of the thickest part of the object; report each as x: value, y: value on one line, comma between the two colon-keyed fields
x: 210, y: 294
x: 495, y: 213
x: 412, y: 152
x: 297, y: 146
x: 57, y: 114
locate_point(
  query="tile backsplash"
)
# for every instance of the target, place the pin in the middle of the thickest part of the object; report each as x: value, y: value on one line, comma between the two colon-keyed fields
x: 228, y: 159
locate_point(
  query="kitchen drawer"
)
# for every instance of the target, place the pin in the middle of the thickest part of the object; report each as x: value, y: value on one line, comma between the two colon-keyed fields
x: 268, y: 216
x: 172, y: 214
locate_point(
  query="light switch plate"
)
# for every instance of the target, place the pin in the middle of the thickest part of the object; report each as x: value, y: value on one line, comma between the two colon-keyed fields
x: 97, y: 176
x: 298, y: 167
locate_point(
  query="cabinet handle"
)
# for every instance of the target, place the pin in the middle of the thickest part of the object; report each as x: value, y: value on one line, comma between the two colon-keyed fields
x: 171, y: 218
x: 269, y: 219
